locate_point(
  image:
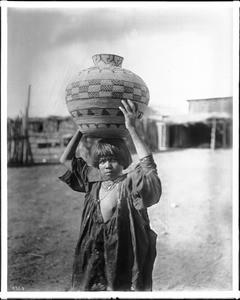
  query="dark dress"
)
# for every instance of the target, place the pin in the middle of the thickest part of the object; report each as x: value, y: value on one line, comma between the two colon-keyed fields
x: 117, y: 255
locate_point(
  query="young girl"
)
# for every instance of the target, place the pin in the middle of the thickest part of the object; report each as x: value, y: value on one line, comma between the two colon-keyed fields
x: 116, y: 248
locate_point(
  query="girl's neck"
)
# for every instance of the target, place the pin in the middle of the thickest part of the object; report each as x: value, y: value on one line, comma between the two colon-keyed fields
x: 109, y: 183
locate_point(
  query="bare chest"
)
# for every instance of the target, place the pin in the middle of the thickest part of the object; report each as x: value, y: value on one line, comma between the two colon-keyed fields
x: 108, y: 202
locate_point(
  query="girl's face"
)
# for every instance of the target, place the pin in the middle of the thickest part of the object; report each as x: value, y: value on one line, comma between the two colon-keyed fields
x: 110, y: 167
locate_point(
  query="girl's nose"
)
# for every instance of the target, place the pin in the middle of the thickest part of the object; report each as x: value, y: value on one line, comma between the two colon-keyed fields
x: 108, y: 163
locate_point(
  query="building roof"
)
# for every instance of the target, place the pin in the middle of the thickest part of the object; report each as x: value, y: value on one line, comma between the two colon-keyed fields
x: 212, y: 99
x: 197, y: 118
x: 42, y: 119
x: 157, y: 112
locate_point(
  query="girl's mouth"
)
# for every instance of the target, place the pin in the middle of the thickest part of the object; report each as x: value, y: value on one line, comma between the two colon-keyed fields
x: 108, y: 172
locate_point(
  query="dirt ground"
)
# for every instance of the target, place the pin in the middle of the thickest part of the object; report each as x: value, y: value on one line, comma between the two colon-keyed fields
x: 193, y: 221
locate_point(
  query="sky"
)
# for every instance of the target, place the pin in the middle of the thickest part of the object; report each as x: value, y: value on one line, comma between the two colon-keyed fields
x: 181, y: 52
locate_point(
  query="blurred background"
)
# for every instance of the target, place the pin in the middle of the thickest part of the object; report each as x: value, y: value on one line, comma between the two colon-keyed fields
x: 184, y: 55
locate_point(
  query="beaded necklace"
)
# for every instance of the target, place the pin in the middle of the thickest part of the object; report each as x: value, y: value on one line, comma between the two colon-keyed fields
x: 110, y: 187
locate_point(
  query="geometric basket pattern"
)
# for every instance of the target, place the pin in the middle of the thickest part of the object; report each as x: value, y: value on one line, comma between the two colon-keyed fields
x: 107, y: 88
x: 88, y: 114
x: 93, y: 98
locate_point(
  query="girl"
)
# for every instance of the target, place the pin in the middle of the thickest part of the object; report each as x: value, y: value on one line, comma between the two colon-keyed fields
x: 116, y: 248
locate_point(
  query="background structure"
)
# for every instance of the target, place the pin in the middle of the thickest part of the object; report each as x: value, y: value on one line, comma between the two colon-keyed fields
x: 182, y: 52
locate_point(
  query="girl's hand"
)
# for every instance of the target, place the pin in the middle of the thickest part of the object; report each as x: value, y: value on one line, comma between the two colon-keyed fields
x: 130, y: 112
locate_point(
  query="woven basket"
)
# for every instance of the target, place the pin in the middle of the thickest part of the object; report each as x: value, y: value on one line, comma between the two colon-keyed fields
x: 94, y: 95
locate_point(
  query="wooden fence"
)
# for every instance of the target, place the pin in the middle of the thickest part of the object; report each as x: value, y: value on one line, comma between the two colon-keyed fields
x: 19, y: 150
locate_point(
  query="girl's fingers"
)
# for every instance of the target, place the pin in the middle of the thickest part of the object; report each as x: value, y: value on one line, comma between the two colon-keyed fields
x: 132, y: 105
x: 123, y: 110
x: 127, y: 107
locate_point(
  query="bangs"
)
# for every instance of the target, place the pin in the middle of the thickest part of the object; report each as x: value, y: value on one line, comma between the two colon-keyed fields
x: 105, y: 150
x: 112, y: 147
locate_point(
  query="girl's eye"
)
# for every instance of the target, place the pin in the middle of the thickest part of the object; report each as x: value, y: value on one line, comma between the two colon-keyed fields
x: 110, y: 159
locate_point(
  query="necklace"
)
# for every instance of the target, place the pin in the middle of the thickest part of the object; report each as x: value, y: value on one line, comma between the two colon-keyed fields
x: 110, y: 187
x: 109, y: 190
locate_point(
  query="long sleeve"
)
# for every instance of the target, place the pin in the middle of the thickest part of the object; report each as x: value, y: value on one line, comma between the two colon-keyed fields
x: 81, y: 175
x: 145, y: 184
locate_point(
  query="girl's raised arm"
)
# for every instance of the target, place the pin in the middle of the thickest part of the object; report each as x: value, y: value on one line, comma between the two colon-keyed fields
x: 144, y: 179
x: 70, y: 150
x: 130, y: 113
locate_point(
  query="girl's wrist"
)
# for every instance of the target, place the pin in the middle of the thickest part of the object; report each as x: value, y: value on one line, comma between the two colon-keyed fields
x: 132, y: 130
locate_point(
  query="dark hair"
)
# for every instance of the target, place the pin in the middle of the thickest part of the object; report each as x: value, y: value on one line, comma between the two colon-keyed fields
x: 116, y: 147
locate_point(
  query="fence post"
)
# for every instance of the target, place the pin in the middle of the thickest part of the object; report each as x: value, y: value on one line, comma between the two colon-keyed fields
x: 27, y: 153
x: 213, y: 134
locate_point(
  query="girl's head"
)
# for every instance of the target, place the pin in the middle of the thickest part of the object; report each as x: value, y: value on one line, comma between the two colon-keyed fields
x: 111, y: 150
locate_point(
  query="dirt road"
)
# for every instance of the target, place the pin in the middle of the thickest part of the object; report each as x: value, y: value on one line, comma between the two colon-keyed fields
x: 193, y: 221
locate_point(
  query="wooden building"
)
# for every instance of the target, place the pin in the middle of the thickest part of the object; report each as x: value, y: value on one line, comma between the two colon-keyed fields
x: 46, y: 138
x: 208, y: 124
